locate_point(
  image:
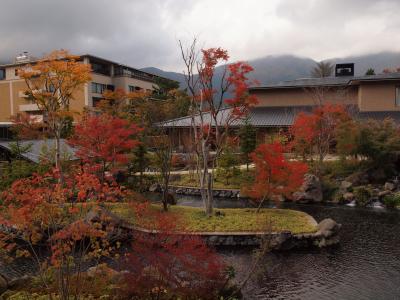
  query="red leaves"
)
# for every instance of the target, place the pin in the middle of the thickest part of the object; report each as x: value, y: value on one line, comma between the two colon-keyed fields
x: 318, y: 129
x: 242, y: 100
x: 275, y: 175
x: 169, y: 263
x: 211, y: 57
x: 104, y: 139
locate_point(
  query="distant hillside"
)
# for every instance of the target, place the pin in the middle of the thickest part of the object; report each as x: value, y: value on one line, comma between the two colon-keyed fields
x: 271, y: 69
x: 275, y: 68
x: 378, y: 61
x: 170, y: 75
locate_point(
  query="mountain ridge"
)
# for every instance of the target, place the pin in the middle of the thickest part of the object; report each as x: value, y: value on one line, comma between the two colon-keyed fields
x: 276, y: 68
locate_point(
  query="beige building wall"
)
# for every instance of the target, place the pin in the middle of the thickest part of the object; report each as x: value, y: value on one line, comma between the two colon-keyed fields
x: 305, y: 97
x: 77, y: 103
x: 97, y: 78
x: 378, y: 96
x: 124, y: 82
x: 5, y: 103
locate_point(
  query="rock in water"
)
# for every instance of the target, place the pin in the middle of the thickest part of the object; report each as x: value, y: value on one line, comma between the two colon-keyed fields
x: 327, y: 233
x: 155, y: 188
x: 310, y: 191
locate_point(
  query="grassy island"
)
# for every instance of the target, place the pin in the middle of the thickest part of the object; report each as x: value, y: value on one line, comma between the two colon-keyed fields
x: 232, y: 219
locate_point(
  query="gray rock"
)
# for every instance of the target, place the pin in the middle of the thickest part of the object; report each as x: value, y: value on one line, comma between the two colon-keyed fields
x: 327, y: 228
x: 358, y: 178
x: 348, y: 197
x: 155, y: 188
x: 345, y: 185
x: 389, y: 186
x: 311, y: 190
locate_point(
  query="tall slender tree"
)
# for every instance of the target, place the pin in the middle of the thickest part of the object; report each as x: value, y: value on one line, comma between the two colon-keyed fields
x: 51, y: 84
x: 211, y: 113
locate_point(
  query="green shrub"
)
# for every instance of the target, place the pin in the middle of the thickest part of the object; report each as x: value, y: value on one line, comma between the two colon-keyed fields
x: 18, y: 169
x: 362, y: 195
x: 392, y: 201
x: 329, y: 189
x: 342, y: 168
x: 227, y: 166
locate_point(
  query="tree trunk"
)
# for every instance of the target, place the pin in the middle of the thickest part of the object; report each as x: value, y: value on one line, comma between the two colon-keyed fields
x: 58, y: 158
x: 210, y: 200
x: 165, y: 191
x: 261, y: 203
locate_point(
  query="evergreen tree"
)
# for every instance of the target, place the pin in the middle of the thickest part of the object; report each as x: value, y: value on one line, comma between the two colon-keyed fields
x: 370, y: 71
x: 247, y: 135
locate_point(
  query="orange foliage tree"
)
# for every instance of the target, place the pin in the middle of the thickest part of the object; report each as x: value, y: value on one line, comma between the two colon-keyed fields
x: 52, y: 83
x: 211, y: 113
x: 274, y: 175
x: 315, y: 133
x: 104, y: 141
x: 42, y: 215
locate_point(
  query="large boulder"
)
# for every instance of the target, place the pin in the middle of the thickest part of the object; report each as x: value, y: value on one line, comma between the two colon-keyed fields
x: 358, y: 178
x: 389, y: 186
x: 327, y: 233
x: 345, y: 185
x: 310, y: 191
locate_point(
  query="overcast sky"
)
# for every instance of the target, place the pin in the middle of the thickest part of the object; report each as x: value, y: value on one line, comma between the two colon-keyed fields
x: 146, y: 32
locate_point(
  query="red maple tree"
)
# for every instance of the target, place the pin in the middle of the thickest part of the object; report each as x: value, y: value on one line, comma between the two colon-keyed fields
x: 211, y: 113
x: 104, y: 141
x: 274, y: 175
x: 315, y: 133
x: 168, y: 262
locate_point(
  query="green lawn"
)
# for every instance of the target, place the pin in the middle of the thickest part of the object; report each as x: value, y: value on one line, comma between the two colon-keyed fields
x: 219, y: 183
x: 230, y: 220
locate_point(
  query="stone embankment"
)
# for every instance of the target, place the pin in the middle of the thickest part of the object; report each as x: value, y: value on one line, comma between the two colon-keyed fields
x: 194, y: 191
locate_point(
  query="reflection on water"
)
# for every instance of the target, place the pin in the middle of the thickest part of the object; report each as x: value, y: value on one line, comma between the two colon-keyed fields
x: 366, y: 264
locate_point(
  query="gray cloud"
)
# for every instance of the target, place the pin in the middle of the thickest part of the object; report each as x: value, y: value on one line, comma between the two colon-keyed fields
x: 145, y: 33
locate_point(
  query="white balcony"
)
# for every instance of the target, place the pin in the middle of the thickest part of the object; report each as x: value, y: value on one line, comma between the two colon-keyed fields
x: 29, y: 107
x: 22, y: 94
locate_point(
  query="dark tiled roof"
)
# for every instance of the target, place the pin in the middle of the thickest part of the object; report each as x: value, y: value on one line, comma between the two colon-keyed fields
x: 258, y: 116
x: 278, y: 116
x: 39, y: 148
x: 328, y: 81
x: 380, y: 115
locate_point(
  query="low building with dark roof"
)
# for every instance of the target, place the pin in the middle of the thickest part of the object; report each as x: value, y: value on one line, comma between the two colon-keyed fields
x: 366, y: 97
x: 38, y: 150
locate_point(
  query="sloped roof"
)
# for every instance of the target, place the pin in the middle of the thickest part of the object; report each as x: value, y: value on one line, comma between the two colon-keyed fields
x: 276, y: 116
x: 380, y: 115
x: 328, y: 81
x: 258, y: 116
x: 39, y: 148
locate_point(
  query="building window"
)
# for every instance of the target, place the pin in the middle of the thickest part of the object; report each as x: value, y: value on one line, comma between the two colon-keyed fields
x: 101, y: 68
x: 98, y: 88
x: 2, y: 74
x: 133, y: 88
x: 96, y: 101
x: 398, y: 96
